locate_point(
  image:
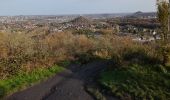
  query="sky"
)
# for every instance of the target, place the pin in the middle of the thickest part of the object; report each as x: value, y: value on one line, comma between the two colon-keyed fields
x: 60, y: 7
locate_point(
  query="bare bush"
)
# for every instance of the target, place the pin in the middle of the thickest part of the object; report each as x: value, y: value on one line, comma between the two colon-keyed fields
x: 21, y: 52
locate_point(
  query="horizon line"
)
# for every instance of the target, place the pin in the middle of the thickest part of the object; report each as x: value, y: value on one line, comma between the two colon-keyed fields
x: 76, y: 14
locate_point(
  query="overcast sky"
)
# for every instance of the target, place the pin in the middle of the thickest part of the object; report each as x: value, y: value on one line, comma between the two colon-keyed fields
x: 57, y: 7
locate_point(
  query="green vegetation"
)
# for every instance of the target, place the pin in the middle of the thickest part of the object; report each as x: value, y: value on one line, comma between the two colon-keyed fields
x: 138, y: 82
x: 142, y: 72
x: 23, y: 80
x: 96, y: 94
x: 137, y: 74
x: 163, y: 17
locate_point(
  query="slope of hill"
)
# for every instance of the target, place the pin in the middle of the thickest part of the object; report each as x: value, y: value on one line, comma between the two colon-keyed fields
x: 81, y: 21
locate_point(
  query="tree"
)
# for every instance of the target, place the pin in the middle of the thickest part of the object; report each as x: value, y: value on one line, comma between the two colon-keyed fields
x: 163, y: 17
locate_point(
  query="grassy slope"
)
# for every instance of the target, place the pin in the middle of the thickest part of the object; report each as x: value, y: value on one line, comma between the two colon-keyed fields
x: 138, y: 82
x: 23, y: 80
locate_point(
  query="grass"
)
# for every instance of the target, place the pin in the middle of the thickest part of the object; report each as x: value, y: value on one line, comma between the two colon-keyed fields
x: 138, y: 82
x: 23, y: 80
x: 96, y: 93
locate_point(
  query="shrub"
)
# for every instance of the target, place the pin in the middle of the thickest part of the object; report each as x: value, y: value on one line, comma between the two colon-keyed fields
x: 142, y: 54
x: 16, y: 47
x: 24, y: 52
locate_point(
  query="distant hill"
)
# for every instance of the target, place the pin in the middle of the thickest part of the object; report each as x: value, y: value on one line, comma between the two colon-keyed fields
x: 104, y: 16
x: 140, y: 14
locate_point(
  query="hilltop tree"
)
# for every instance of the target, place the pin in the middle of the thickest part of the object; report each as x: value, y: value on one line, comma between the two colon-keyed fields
x: 163, y: 17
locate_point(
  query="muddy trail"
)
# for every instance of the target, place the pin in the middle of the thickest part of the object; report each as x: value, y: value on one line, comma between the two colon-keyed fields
x: 67, y: 85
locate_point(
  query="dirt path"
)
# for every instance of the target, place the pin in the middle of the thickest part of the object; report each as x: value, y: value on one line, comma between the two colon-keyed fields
x: 68, y: 85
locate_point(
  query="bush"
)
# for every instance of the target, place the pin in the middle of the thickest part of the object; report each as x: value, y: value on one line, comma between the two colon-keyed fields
x: 16, y: 48
x: 142, y: 54
x: 24, y: 52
